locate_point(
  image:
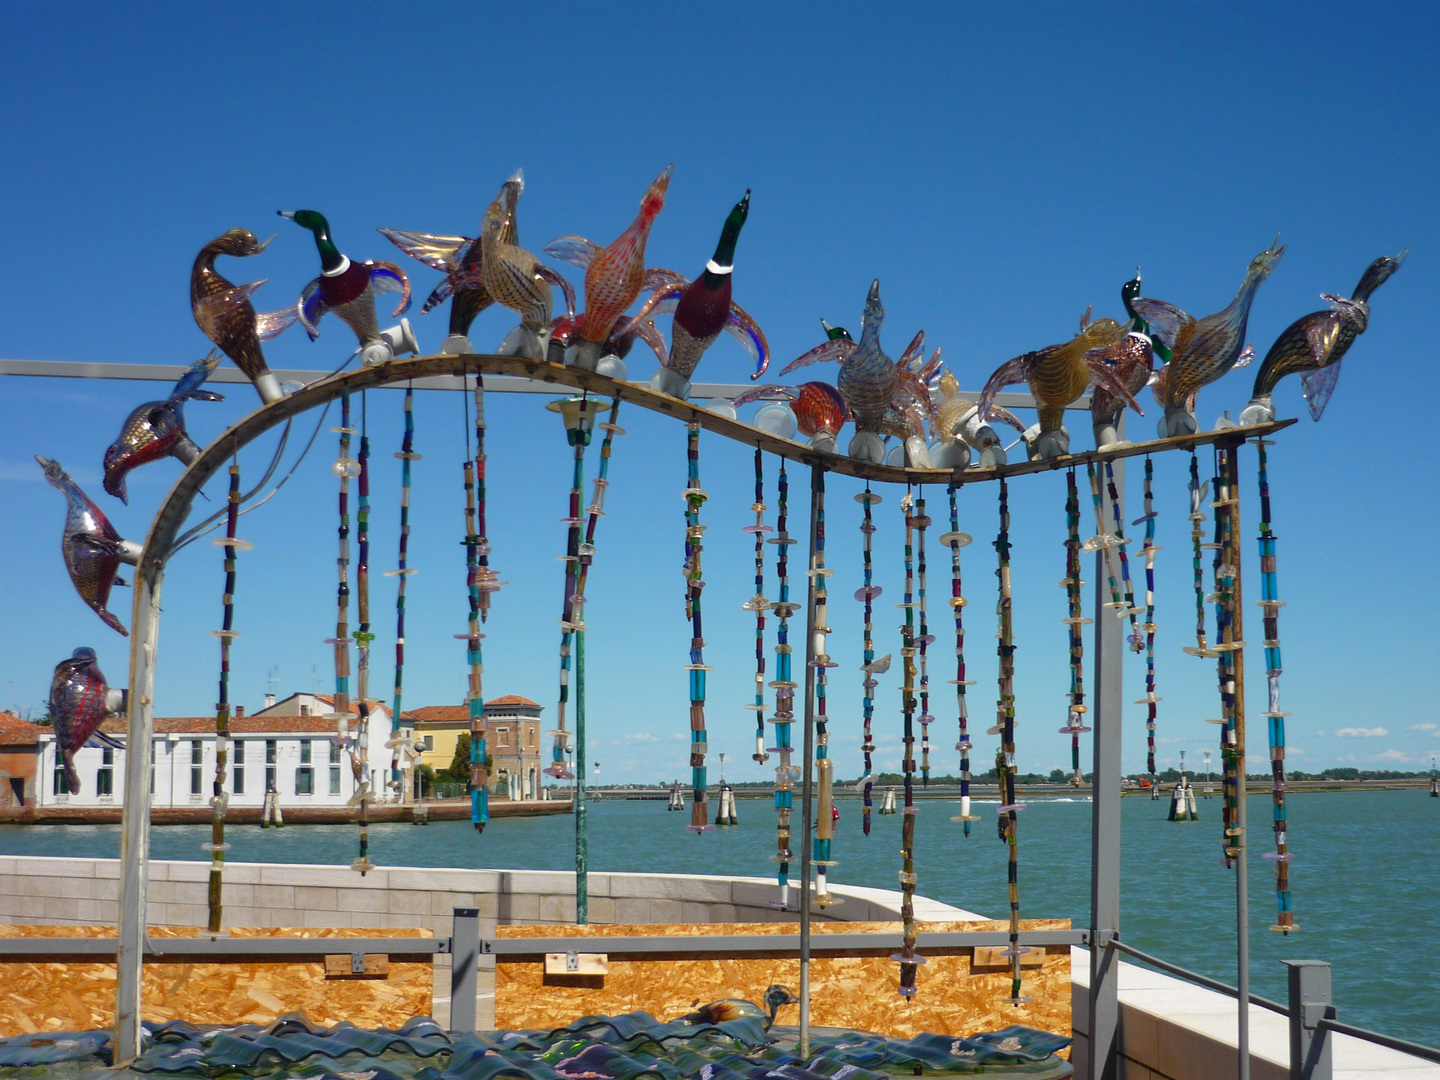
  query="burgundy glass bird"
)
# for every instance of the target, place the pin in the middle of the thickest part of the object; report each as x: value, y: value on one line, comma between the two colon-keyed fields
x: 157, y: 429
x: 92, y: 549
x: 79, y: 700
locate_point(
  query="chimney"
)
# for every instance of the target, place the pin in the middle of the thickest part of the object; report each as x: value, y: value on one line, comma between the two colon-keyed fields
x: 304, y: 710
x: 269, y: 700
x: 239, y: 711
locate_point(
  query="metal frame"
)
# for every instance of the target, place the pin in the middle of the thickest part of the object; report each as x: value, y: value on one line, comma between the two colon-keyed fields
x: 512, y: 374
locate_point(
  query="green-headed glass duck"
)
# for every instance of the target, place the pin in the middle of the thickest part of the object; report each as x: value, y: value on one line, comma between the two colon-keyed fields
x: 702, y: 309
x: 92, y: 549
x: 225, y: 315
x: 1057, y: 375
x: 869, y: 380
x: 80, y: 699
x: 1313, y: 345
x: 157, y: 428
x: 1203, y: 349
x: 349, y: 289
x: 614, y: 275
x: 1133, y: 358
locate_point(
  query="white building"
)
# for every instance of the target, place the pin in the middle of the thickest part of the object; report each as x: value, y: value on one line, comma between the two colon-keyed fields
x: 289, y: 748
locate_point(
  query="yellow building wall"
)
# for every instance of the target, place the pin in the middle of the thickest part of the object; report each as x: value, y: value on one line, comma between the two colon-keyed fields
x: 444, y: 736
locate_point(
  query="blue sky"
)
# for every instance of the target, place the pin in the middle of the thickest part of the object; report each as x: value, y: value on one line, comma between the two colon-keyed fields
x: 999, y: 169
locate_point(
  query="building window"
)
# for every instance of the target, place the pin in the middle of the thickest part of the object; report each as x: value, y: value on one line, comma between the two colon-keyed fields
x: 105, y: 777
x: 62, y: 782
x: 238, y: 784
x: 334, y: 768
x: 305, y: 774
x: 534, y: 733
x: 152, y: 768
x: 429, y: 743
x: 270, y: 766
x: 197, y: 773
x: 502, y: 736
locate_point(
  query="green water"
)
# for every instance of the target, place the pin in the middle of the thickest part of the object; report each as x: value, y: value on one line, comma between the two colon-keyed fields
x: 1365, y: 877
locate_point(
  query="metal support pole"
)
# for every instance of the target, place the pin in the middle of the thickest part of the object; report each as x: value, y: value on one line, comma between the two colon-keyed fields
x: 1242, y: 879
x: 582, y: 839
x: 135, y: 820
x: 1103, y: 1053
x: 1309, y: 1004
x: 464, y: 965
x: 807, y: 767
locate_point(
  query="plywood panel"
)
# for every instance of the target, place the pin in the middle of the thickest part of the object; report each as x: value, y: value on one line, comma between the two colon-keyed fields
x: 38, y: 997
x: 857, y: 993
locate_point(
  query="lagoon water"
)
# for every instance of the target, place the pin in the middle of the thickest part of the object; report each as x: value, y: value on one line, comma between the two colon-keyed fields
x: 1365, y: 878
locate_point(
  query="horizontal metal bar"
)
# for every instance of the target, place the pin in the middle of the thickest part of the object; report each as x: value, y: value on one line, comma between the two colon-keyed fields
x: 502, y: 384
x: 1405, y: 1046
x: 216, y: 950
x: 1196, y: 977
x: 771, y: 945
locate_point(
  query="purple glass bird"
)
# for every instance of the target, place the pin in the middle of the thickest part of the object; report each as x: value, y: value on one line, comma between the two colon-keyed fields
x: 93, y: 550
x: 157, y: 429
x: 79, y: 700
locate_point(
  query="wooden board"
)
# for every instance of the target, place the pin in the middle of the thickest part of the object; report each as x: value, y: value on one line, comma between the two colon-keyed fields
x: 857, y: 993
x: 41, y: 997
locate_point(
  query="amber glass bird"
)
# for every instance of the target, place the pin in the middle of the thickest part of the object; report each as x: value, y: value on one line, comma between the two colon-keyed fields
x: 955, y: 424
x: 1057, y: 375
x: 224, y: 313
x: 1313, y: 346
x: 614, y: 276
x: 1204, y: 349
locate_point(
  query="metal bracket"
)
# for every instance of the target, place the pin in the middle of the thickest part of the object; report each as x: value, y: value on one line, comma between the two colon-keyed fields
x: 357, y: 963
x: 442, y: 946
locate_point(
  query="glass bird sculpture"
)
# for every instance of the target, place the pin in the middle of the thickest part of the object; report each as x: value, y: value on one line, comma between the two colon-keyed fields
x: 1133, y: 359
x: 515, y: 278
x: 80, y: 699
x: 627, y: 330
x: 1057, y: 375
x: 157, y: 429
x: 92, y: 549
x: 869, y: 380
x: 1313, y: 346
x: 614, y: 276
x: 349, y: 290
x: 1203, y: 349
x: 225, y: 315
x: 957, y: 429
x: 702, y: 309
x: 819, y: 408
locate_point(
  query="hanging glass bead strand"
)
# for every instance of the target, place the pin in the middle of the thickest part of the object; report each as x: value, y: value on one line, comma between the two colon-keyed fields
x: 908, y: 959
x: 1271, y: 604
x: 1005, y: 728
x: 783, y: 715
x: 924, y: 639
x: 1103, y: 540
x: 955, y: 540
x: 869, y: 667
x: 1150, y: 701
x: 220, y: 798
x: 1224, y: 651
x: 759, y: 605
x: 479, y: 583
x: 595, y: 512
x: 401, y: 749
x: 822, y: 857
x: 1074, y: 620
x: 1197, y: 522
x: 363, y: 638
x: 1130, y: 608
x: 695, y: 497
x: 345, y: 467
x: 569, y: 619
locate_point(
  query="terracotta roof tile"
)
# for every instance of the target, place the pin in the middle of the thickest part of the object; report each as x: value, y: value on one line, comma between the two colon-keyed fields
x: 17, y: 732
x: 438, y: 714
x: 512, y: 699
x: 239, y: 725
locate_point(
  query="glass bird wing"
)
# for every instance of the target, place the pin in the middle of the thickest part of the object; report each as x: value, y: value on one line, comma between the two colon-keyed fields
x: 914, y: 352
x: 441, y: 293
x: 657, y: 277
x: 1246, y: 357
x: 1322, y: 333
x: 573, y: 249
x: 209, y: 310
x: 437, y: 252
x: 768, y: 392
x: 744, y: 329
x: 1007, y: 417
x: 836, y: 350
x: 1007, y: 374
x: 387, y: 277
x: 664, y: 299
x: 648, y: 332
x: 546, y: 274
x: 311, y: 308
x: 1317, y: 386
x: 1104, y: 376
x: 1165, y: 319
x: 271, y: 324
